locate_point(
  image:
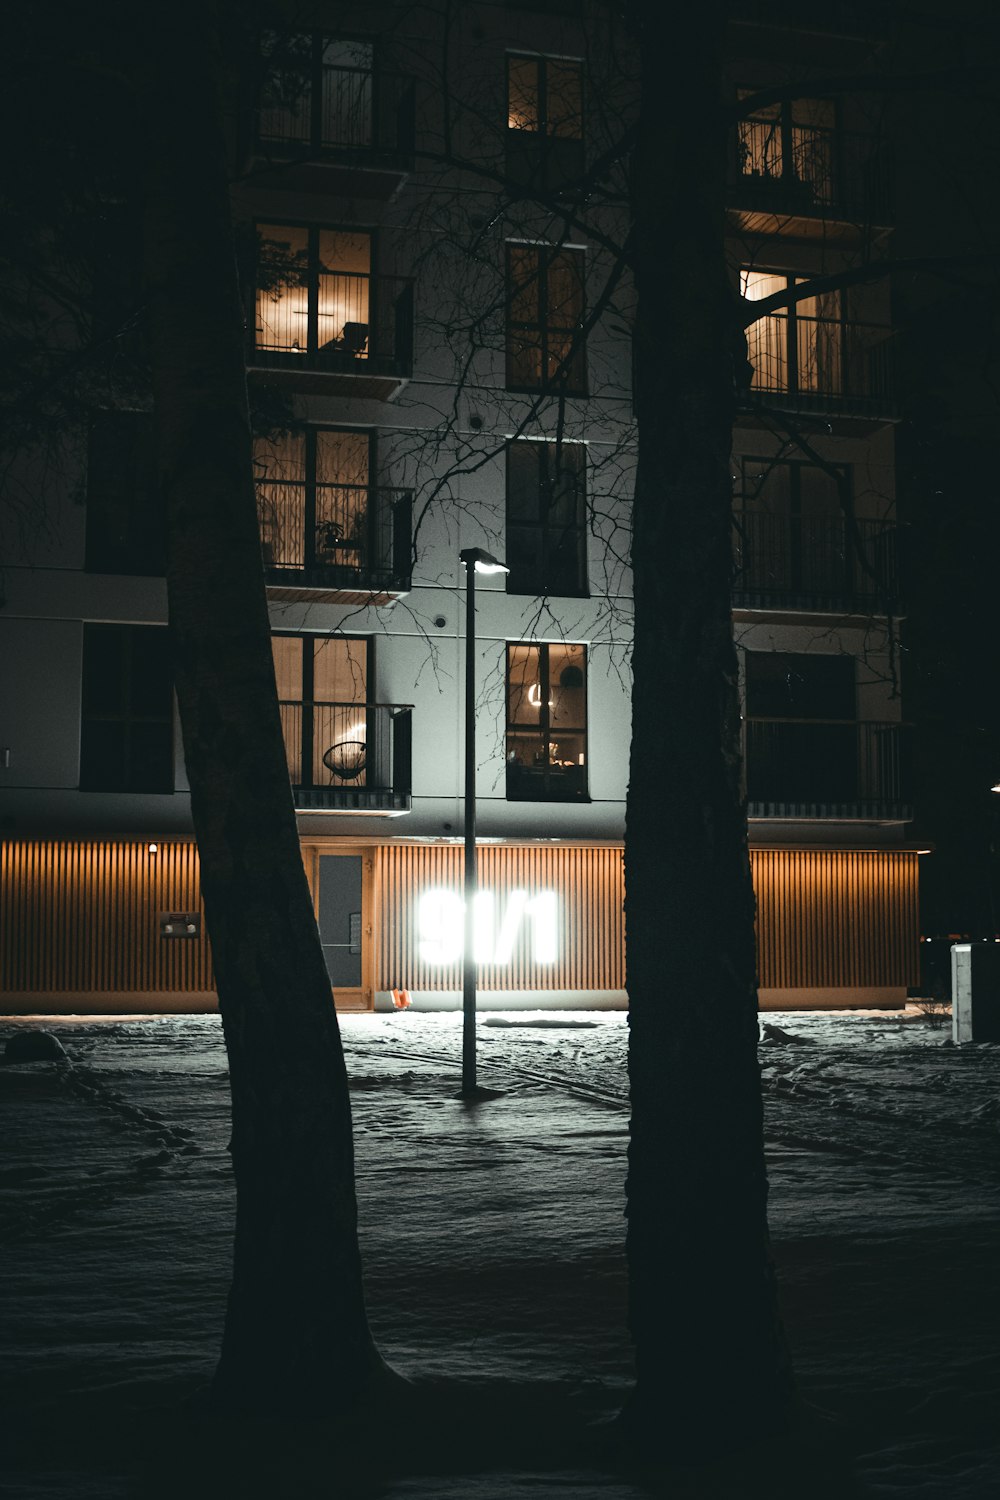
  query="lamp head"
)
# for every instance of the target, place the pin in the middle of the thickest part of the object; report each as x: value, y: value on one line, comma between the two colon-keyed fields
x: 482, y: 562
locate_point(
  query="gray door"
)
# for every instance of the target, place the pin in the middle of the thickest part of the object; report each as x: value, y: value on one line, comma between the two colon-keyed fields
x: 340, y: 918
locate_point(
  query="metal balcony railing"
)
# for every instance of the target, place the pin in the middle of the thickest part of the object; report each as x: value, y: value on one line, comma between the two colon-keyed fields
x: 362, y: 114
x: 353, y: 756
x: 822, y: 365
x: 339, y: 322
x: 336, y: 535
x: 811, y: 171
x: 813, y: 563
x: 816, y: 768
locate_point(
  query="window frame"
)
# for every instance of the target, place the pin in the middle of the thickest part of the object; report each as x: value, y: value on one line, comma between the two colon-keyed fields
x: 312, y: 356
x: 548, y: 537
x: 126, y: 717
x: 555, y: 785
x: 307, y: 700
x: 313, y: 72
x: 545, y: 257
x: 143, y: 544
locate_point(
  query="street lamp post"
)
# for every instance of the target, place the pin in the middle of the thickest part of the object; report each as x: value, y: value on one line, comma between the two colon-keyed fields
x: 474, y: 560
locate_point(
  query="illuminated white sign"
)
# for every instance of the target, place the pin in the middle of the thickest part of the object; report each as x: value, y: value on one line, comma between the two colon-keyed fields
x: 441, y: 926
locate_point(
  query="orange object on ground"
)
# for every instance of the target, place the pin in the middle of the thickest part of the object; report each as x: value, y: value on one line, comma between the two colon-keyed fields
x: 401, y: 999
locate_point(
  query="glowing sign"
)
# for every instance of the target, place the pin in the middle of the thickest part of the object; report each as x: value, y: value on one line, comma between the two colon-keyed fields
x: 441, y: 926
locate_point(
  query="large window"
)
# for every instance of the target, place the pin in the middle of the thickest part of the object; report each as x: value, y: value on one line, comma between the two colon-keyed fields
x: 791, y: 143
x: 546, y: 723
x: 125, y: 531
x: 126, y: 732
x: 322, y: 684
x: 544, y: 121
x: 313, y: 498
x: 319, y: 91
x: 802, y: 734
x: 313, y: 291
x: 546, y: 518
x: 795, y: 348
x: 545, y: 311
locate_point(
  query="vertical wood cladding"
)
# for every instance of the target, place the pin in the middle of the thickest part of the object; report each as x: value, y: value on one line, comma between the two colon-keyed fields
x: 836, y: 917
x: 825, y: 918
x: 587, y: 881
x: 84, y: 917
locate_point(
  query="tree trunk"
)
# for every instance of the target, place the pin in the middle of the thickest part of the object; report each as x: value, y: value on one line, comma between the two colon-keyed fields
x: 296, y: 1334
x: 710, y: 1360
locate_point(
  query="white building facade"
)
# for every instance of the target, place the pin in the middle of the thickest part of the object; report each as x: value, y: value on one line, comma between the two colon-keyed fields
x: 439, y: 356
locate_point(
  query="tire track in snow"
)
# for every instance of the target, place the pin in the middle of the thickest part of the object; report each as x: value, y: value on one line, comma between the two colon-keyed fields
x: 793, y: 1119
x: 58, y: 1205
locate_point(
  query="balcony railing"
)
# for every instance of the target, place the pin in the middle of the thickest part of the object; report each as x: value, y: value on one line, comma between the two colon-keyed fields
x: 814, y: 768
x: 351, y: 757
x: 361, y: 115
x: 344, y: 323
x: 812, y: 563
x: 336, y: 536
x: 823, y: 365
x: 809, y: 171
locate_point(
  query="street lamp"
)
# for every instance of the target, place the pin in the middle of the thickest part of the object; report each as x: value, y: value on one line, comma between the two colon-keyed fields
x: 474, y: 560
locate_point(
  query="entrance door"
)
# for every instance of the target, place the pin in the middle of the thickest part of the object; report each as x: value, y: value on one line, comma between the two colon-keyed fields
x: 343, y: 912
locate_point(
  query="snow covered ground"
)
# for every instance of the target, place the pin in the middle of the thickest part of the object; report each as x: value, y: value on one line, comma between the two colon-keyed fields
x: 493, y: 1238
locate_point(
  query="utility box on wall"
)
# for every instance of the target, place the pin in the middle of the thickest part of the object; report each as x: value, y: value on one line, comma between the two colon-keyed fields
x: 975, y: 992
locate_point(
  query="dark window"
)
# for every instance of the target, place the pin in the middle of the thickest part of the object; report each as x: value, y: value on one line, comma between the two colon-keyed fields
x: 787, y: 685
x: 545, y: 310
x: 546, y: 518
x: 546, y: 723
x: 126, y: 739
x: 544, y: 121
x: 124, y: 511
x: 801, y: 734
x: 790, y: 536
x: 319, y: 92
x: 548, y: 7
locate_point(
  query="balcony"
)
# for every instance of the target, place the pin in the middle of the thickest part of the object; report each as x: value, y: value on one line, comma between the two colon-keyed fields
x: 806, y: 180
x: 344, y: 333
x: 814, y: 768
x: 335, y: 543
x: 349, y: 757
x: 822, y: 366
x: 811, y: 563
x: 338, y: 129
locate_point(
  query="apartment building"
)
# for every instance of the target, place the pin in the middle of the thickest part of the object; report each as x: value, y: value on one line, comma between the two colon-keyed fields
x: 439, y: 359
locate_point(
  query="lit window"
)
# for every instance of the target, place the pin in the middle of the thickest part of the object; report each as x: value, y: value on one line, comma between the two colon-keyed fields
x: 312, y: 295
x: 546, y: 723
x: 544, y: 122
x: 791, y: 143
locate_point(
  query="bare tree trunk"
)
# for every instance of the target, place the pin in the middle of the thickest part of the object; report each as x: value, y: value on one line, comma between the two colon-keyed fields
x: 296, y: 1334
x: 710, y: 1358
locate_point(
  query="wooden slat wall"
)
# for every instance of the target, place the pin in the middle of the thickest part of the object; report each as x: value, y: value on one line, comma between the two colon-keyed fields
x: 825, y: 918
x: 587, y: 881
x: 83, y: 917
x: 836, y: 918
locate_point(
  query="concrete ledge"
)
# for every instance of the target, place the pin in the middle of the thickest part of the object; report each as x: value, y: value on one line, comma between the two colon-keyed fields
x: 511, y: 1000
x: 853, y: 997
